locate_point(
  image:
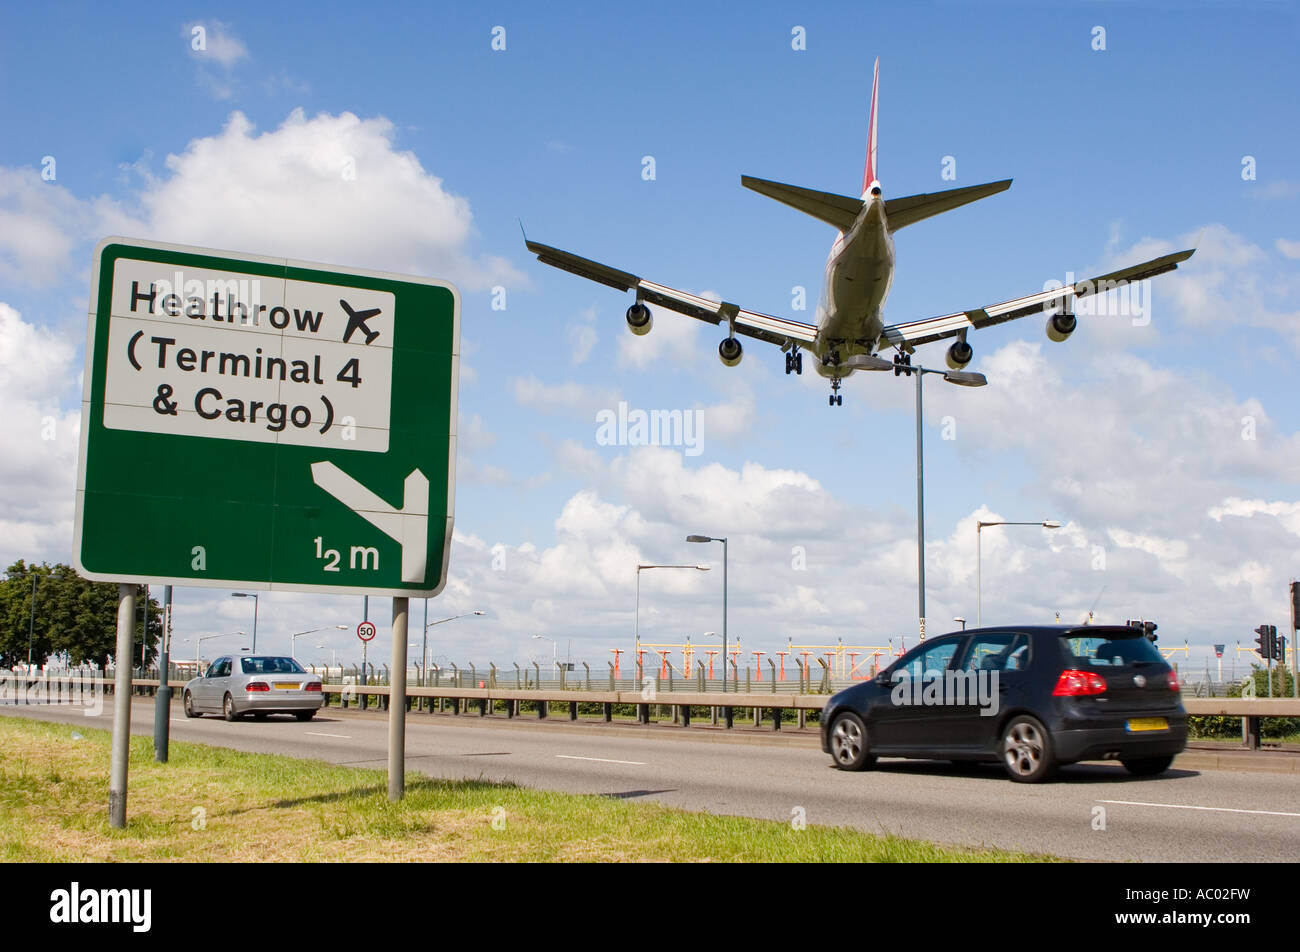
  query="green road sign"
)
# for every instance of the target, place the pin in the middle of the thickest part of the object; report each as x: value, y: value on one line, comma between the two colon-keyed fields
x: 266, y: 423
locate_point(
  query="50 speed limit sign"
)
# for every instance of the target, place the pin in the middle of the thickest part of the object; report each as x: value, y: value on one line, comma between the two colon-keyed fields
x: 366, y: 630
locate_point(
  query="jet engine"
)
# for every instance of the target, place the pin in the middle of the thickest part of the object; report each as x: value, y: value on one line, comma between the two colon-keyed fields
x: 730, y: 351
x: 639, y: 319
x: 960, y: 354
x: 1061, y: 326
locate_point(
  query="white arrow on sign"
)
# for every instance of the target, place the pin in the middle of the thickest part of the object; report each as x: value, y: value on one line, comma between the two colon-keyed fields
x: 408, y: 526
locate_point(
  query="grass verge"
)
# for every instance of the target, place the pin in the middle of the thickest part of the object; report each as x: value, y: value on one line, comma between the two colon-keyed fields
x: 212, y: 804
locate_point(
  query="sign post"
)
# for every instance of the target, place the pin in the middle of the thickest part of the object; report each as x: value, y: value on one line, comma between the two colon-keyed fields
x: 307, y: 414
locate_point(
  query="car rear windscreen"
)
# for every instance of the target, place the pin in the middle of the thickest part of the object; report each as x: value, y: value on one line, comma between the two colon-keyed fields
x: 1108, y: 649
x: 270, y: 666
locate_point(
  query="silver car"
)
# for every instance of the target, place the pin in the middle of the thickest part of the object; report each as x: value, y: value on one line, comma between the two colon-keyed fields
x: 236, y: 685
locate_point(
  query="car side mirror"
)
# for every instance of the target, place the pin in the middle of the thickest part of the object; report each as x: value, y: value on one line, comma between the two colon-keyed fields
x: 882, y: 677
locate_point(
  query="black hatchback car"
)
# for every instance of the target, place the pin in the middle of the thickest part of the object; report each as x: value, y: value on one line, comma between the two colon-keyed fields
x: 1029, y: 697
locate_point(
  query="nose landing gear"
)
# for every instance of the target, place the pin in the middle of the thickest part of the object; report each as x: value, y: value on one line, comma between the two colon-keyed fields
x: 836, y: 398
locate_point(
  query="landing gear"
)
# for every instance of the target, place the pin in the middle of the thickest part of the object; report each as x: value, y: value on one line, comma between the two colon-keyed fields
x: 902, y: 364
x: 832, y: 359
x: 836, y: 398
x: 794, y: 362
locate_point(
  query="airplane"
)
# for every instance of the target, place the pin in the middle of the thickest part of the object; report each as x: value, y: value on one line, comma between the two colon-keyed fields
x: 357, y: 321
x: 859, y: 272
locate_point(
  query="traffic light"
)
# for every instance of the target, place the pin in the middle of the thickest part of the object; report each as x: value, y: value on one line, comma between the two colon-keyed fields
x: 1148, y: 628
x: 1281, y: 649
x: 1295, y: 602
x: 1270, y: 646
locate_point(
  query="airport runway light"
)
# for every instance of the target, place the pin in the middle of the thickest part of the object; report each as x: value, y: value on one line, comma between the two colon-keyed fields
x: 636, y: 617
x: 704, y: 538
x: 253, y: 596
x: 293, y: 639
x: 979, y: 526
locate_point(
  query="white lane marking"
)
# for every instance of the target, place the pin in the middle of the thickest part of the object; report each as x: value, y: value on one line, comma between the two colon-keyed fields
x: 320, y: 734
x: 1183, y: 806
x: 602, y: 760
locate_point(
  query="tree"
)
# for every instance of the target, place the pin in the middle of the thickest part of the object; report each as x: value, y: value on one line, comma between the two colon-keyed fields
x: 74, y: 617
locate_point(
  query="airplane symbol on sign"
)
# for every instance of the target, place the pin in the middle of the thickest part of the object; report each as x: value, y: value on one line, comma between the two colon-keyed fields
x: 357, y: 321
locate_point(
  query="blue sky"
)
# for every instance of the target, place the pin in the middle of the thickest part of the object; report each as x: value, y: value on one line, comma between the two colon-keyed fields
x: 1131, y: 436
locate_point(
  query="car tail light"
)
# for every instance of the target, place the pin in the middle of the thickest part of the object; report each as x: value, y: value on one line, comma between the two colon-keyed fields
x: 1074, y: 683
x: 1173, y: 680
x: 311, y: 686
x: 256, y: 686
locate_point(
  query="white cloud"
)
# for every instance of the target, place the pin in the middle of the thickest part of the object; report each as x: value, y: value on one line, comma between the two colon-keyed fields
x: 42, y: 225
x: 330, y: 188
x: 1289, y: 249
x: 582, y: 336
x: 39, y: 441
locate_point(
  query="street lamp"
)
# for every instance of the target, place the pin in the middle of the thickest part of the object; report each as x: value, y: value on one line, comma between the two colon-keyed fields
x: 31, y: 625
x: 424, y: 654
x: 902, y: 364
x: 704, y: 538
x: 636, y: 618
x: 961, y: 621
x: 253, y: 596
x: 293, y: 639
x: 198, y: 646
x: 979, y: 526
x: 555, y: 657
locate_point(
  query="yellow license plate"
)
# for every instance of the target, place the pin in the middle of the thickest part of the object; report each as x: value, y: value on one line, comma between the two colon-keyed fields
x: 286, y: 685
x: 1147, y: 724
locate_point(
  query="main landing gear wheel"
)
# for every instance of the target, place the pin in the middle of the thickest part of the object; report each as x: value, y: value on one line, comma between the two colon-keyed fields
x: 794, y: 362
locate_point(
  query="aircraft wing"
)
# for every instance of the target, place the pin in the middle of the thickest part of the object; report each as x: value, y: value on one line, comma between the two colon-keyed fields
x: 766, y: 327
x: 914, y: 333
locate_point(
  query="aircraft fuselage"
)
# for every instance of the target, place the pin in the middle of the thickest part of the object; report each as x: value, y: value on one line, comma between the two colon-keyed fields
x: 859, y: 272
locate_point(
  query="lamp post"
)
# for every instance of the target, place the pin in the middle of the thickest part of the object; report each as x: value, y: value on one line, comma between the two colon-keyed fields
x: 555, y: 656
x: 253, y: 596
x: 903, y: 365
x: 424, y: 654
x: 961, y: 621
x: 31, y: 624
x: 636, y: 618
x: 704, y: 538
x: 979, y: 526
x: 198, y: 646
x: 293, y: 639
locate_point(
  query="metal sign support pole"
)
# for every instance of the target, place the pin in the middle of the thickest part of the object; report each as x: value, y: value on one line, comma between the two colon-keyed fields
x: 121, y: 705
x: 397, y: 703
x: 163, y: 705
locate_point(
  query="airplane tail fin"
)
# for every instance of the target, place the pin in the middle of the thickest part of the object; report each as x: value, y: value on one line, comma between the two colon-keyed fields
x: 870, y: 171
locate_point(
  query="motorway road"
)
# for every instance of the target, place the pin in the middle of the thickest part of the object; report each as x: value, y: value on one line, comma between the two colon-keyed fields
x: 1187, y: 815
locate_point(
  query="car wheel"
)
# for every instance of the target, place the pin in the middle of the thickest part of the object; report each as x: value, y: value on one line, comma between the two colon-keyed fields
x: 304, y: 715
x: 1148, y: 766
x: 849, y: 743
x: 228, y: 708
x: 1027, y: 750
x: 189, y: 706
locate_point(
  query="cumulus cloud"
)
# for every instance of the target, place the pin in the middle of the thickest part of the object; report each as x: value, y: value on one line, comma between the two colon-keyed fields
x: 39, y: 441
x: 328, y: 188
